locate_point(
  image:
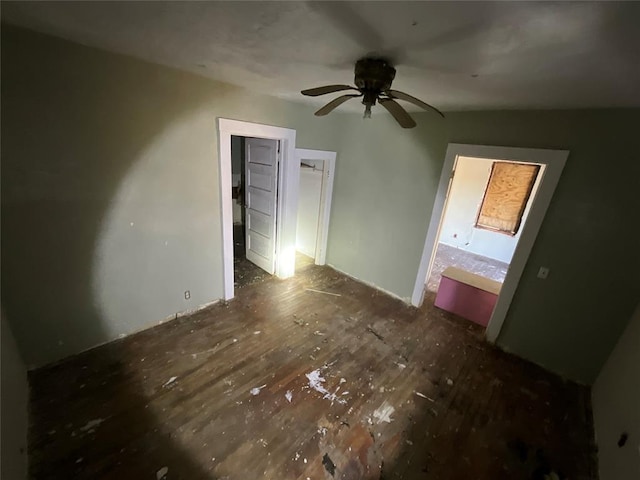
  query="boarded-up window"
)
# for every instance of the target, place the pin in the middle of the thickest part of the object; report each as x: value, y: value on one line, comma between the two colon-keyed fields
x: 506, y: 196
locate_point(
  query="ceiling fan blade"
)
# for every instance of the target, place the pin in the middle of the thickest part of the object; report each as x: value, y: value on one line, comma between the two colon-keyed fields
x: 399, y: 113
x: 314, y: 92
x: 336, y: 102
x: 416, y: 101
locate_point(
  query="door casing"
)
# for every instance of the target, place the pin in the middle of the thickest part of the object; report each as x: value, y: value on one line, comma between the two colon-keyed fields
x: 287, y: 202
x: 553, y: 160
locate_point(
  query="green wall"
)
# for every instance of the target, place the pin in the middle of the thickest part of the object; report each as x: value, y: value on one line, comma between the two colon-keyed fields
x: 616, y: 397
x: 386, y: 182
x: 570, y: 322
x: 13, y: 407
x: 110, y: 201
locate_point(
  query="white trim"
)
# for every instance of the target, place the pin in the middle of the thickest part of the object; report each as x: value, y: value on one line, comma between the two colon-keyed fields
x: 287, y: 209
x: 553, y: 160
x: 329, y: 159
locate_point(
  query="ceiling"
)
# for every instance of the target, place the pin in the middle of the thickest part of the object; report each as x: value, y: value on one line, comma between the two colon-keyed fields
x: 455, y: 55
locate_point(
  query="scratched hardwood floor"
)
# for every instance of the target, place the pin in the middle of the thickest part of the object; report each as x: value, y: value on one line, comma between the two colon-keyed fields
x: 407, y: 394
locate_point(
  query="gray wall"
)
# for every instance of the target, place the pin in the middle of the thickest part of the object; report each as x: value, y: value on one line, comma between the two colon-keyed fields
x: 110, y: 200
x: 616, y: 407
x: 13, y: 409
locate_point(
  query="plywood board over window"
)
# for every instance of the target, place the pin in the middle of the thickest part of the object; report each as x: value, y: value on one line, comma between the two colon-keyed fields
x: 506, y: 196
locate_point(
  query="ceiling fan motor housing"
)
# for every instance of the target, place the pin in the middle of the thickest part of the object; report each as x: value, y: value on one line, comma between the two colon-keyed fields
x: 373, y: 76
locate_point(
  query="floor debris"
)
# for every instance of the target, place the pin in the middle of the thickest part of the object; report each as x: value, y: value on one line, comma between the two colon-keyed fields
x: 169, y: 382
x: 288, y: 395
x: 422, y: 395
x: 195, y: 355
x: 383, y: 413
x: 321, y: 291
x: 91, y: 425
x: 375, y: 334
x: 329, y: 466
x: 256, y: 390
x: 316, y: 382
x: 207, y: 414
x: 162, y: 473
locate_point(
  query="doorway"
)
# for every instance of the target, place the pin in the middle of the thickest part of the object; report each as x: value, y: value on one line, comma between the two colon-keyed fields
x: 483, y: 217
x: 551, y: 163
x: 278, y: 177
x: 254, y: 172
x: 314, y: 205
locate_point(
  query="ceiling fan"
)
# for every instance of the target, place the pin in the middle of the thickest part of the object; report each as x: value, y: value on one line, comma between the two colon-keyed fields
x: 373, y: 78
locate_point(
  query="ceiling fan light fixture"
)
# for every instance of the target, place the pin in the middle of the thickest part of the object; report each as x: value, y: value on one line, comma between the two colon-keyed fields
x: 373, y: 78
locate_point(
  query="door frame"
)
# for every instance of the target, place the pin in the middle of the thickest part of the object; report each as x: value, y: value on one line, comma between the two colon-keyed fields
x: 287, y: 196
x: 553, y: 161
x: 326, y: 194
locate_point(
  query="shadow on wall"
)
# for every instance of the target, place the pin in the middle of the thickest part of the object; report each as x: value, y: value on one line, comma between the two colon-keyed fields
x: 98, y: 195
x: 109, y: 202
x: 71, y: 140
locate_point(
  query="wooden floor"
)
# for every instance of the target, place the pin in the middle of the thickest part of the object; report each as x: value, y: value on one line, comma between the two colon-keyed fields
x: 289, y: 383
x: 244, y: 272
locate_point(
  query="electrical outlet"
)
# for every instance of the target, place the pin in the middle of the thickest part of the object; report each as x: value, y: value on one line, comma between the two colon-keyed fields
x: 543, y: 273
x: 187, y: 294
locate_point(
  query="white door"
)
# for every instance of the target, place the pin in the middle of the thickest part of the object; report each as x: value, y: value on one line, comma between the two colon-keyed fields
x: 261, y: 179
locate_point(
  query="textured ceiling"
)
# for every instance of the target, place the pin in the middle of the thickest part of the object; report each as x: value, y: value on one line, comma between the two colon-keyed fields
x: 455, y: 55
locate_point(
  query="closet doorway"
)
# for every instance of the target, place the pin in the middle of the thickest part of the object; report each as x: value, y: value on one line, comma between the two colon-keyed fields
x: 314, y: 204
